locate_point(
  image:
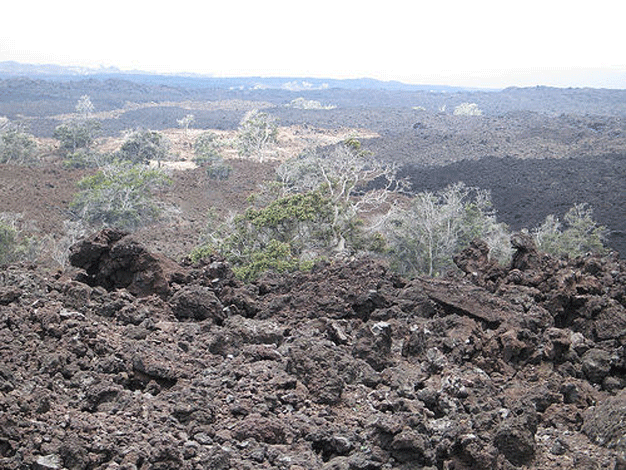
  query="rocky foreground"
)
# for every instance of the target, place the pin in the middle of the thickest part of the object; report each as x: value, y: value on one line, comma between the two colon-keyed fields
x: 133, y: 361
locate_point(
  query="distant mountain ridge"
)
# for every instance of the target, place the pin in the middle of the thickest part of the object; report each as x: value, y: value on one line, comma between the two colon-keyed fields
x: 12, y: 69
x: 46, y: 90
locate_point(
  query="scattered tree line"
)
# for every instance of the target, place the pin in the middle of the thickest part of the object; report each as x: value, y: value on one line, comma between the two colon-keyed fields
x: 121, y: 191
x: 323, y: 204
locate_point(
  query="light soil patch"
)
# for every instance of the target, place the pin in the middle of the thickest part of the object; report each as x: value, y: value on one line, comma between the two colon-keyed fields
x: 292, y: 141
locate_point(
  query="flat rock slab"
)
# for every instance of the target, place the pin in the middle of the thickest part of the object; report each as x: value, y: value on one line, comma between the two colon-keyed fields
x: 469, y: 300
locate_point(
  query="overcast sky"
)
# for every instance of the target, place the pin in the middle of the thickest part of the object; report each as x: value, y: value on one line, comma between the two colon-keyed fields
x: 469, y: 43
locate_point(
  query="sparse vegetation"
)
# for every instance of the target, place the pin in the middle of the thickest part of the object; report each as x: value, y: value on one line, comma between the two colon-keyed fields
x: 15, y: 245
x: 321, y: 207
x: 425, y: 234
x: 16, y: 146
x: 143, y: 146
x: 314, y: 211
x: 350, y: 365
x: 363, y: 195
x: 258, y: 132
x: 578, y: 234
x: 119, y: 195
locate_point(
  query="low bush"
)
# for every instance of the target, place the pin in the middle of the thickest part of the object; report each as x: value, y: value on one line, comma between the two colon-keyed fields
x: 424, y: 235
x: 275, y: 256
x: 143, y: 146
x: 17, y: 147
x: 14, y: 245
x: 85, y: 158
x: 207, y: 154
x: 75, y: 135
x: 218, y: 170
x: 206, y: 148
x: 119, y: 195
x: 285, y: 235
x: 578, y: 234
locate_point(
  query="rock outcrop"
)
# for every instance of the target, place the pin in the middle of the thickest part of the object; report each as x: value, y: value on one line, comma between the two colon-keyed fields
x: 113, y: 260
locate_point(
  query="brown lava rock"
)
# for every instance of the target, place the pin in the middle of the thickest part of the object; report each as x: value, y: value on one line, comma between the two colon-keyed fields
x: 141, y: 363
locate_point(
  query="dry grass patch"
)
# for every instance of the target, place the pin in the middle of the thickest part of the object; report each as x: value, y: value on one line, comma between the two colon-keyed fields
x: 292, y: 140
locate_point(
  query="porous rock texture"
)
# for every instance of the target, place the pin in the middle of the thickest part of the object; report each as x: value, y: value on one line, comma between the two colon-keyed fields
x: 133, y: 361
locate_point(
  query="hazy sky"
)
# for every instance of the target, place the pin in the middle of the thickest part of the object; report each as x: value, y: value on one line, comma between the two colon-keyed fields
x: 471, y: 42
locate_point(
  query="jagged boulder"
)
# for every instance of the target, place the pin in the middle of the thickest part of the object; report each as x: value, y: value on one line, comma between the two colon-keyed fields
x: 526, y: 255
x: 197, y: 303
x: 113, y: 259
x: 312, y: 362
x: 605, y: 423
x: 474, y: 261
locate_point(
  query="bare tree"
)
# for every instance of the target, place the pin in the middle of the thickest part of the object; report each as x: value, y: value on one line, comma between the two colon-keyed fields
x: 185, y: 123
x: 60, y: 248
x: 84, y: 107
x: 357, y: 184
x: 258, y: 131
x: 425, y: 234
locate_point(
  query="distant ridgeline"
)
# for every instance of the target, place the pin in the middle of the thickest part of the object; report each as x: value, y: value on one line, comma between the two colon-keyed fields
x: 107, y: 85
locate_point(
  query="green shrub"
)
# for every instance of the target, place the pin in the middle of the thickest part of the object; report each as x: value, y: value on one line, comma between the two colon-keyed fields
x: 201, y: 252
x: 285, y: 214
x: 85, y: 158
x: 119, y: 195
x: 275, y: 256
x: 143, y: 146
x: 17, y: 147
x: 76, y: 135
x: 14, y: 245
x: 219, y: 170
x: 206, y: 148
x: 578, y: 234
x: 285, y: 235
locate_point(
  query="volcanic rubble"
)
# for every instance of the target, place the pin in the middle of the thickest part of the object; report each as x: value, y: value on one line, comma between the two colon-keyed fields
x: 130, y: 360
